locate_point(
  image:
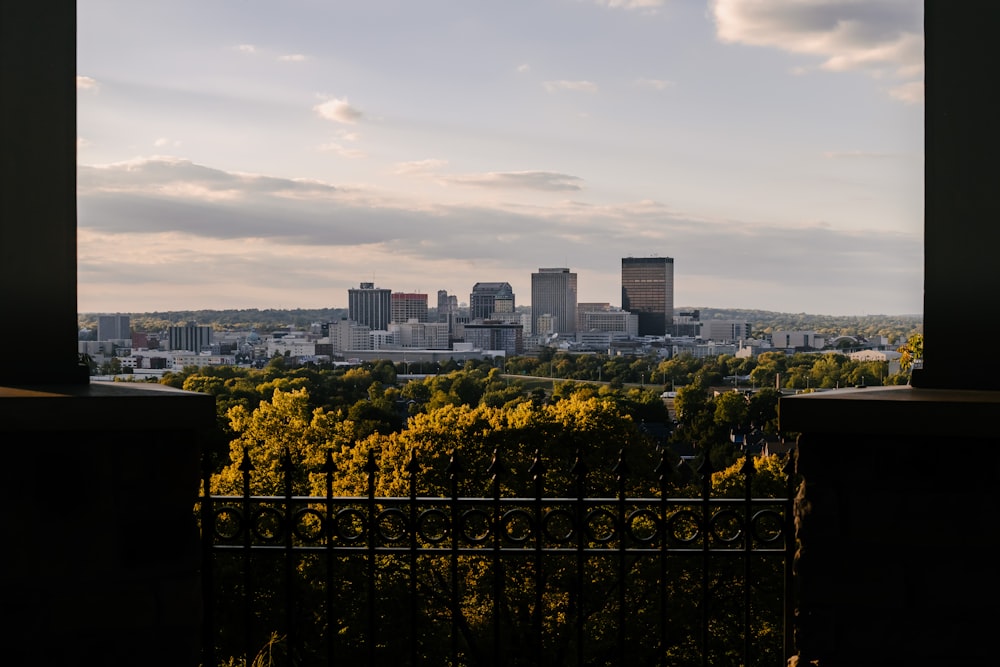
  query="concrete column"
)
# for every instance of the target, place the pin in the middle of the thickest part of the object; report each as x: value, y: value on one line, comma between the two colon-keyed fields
x: 38, y: 193
x: 962, y: 209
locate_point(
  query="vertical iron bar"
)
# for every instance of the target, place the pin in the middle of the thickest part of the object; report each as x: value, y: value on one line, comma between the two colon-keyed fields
x: 579, y: 472
x: 621, y: 471
x: 246, y: 466
x: 496, y: 469
x: 371, y: 467
x: 537, y: 472
x: 455, y: 529
x: 329, y: 468
x: 412, y: 637
x: 748, y: 472
x: 788, y: 527
x: 705, y: 470
x: 663, y: 470
x: 208, y: 563
x: 289, y: 560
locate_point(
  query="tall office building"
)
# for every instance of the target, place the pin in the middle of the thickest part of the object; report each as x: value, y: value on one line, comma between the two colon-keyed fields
x: 553, y: 293
x: 190, y: 337
x: 447, y: 309
x: 648, y: 291
x: 370, y: 305
x: 408, y: 306
x: 114, y: 327
x: 489, y: 298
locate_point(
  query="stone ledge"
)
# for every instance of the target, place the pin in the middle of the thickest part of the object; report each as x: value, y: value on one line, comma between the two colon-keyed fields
x: 114, y: 406
x: 896, y: 411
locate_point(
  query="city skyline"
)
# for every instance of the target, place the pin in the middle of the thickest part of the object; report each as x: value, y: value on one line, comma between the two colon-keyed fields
x: 255, y: 155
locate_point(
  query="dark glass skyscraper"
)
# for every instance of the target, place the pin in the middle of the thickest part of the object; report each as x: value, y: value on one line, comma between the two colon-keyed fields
x: 648, y: 291
x: 489, y: 298
x: 370, y: 305
x: 553, y: 292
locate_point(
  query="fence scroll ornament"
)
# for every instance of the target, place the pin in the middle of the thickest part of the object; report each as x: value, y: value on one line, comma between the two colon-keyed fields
x: 700, y: 544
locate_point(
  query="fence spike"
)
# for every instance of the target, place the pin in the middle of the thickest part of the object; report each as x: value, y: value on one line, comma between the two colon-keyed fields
x: 497, y: 467
x: 621, y: 468
x: 246, y: 465
x: 455, y: 467
x: 537, y: 469
x: 328, y: 467
x: 412, y: 466
x: 371, y: 467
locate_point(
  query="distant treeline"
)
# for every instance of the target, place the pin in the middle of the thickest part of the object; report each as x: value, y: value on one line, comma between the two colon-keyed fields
x: 762, y: 322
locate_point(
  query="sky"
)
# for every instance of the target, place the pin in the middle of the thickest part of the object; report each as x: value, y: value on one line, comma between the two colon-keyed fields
x: 276, y: 153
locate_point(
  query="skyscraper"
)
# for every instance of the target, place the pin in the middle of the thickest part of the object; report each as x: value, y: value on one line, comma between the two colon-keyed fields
x: 553, y: 292
x: 408, y: 306
x: 489, y: 298
x: 370, y: 305
x: 114, y: 327
x: 648, y: 291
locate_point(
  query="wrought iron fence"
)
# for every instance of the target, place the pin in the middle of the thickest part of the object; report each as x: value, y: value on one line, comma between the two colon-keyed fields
x: 493, y: 580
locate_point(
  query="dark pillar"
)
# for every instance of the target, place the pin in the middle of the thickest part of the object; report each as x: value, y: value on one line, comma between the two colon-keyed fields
x: 962, y: 208
x: 38, y: 187
x: 100, y: 560
x: 895, y: 517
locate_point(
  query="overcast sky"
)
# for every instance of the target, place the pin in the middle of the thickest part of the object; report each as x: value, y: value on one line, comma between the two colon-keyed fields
x: 275, y: 153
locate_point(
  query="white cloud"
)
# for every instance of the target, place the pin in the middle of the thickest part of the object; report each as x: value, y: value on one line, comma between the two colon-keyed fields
x: 653, y: 84
x: 86, y: 83
x: 418, y: 167
x: 171, y: 222
x: 523, y: 180
x: 339, y: 111
x: 333, y: 147
x: 247, y: 48
x: 631, y: 4
x: 838, y: 155
x: 880, y: 38
x: 911, y: 92
x: 579, y: 86
x: 524, y: 68
x: 293, y: 58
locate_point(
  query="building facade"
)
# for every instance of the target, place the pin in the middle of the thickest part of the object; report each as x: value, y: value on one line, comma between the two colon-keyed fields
x: 114, y: 327
x: 553, y: 293
x: 370, y: 306
x: 648, y: 291
x: 489, y: 298
x: 190, y: 337
x: 408, y: 306
x: 492, y: 335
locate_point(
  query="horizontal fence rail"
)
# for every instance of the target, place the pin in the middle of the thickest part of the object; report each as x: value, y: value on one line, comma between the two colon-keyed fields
x: 494, y: 580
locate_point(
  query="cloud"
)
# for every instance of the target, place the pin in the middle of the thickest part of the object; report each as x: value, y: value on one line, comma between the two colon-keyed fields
x: 339, y: 111
x: 166, y: 233
x: 653, y: 84
x: 333, y: 147
x: 86, y: 83
x: 524, y: 68
x: 523, y: 180
x: 911, y: 92
x: 631, y: 4
x: 418, y: 167
x: 293, y: 58
x: 881, y: 38
x: 246, y: 48
x: 578, y: 86
x: 839, y: 155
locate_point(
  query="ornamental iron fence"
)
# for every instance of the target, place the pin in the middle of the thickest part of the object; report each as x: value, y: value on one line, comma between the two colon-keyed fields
x: 661, y: 579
